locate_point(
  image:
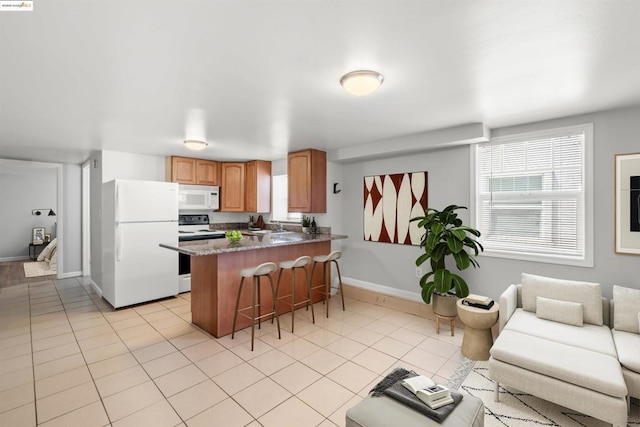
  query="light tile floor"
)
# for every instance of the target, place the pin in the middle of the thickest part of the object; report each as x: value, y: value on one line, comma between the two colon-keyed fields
x: 68, y: 359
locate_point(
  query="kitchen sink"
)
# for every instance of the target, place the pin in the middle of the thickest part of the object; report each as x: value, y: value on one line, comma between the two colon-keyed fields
x: 269, y: 232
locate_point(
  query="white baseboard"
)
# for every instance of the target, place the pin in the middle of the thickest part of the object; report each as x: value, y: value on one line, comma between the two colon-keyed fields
x: 13, y: 258
x: 408, y: 295
x: 70, y: 274
x: 96, y: 288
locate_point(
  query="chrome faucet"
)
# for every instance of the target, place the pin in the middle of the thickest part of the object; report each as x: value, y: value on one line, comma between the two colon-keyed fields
x: 279, y: 225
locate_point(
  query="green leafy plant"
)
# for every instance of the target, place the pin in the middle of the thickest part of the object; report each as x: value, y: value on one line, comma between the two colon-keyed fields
x: 446, y: 237
x: 306, y: 221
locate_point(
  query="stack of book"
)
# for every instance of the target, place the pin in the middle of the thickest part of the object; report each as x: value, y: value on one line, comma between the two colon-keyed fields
x: 478, y: 301
x: 432, y: 394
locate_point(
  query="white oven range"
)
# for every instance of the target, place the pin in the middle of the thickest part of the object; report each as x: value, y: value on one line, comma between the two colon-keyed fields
x: 192, y: 227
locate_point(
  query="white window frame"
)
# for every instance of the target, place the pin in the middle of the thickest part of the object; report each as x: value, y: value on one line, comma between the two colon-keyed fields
x: 292, y: 217
x: 587, y: 176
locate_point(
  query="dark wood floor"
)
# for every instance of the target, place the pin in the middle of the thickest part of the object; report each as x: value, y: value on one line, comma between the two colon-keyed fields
x: 12, y: 273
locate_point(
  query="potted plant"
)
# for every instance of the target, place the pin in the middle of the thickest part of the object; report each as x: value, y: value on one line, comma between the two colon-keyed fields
x: 446, y: 238
x: 306, y: 224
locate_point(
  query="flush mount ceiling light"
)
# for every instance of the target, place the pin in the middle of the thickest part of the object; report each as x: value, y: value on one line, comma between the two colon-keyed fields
x: 361, y: 82
x: 193, y: 144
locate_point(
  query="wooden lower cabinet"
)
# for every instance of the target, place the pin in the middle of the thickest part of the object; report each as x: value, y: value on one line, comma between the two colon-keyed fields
x: 232, y: 191
x: 215, y: 280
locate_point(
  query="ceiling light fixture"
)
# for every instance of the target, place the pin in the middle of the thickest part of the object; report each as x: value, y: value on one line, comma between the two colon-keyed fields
x: 193, y: 144
x: 361, y: 82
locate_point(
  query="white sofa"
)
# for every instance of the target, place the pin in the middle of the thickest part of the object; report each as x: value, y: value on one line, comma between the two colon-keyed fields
x: 625, y: 309
x: 555, y: 343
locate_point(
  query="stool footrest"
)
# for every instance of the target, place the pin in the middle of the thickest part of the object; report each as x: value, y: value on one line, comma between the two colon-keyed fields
x: 262, y: 316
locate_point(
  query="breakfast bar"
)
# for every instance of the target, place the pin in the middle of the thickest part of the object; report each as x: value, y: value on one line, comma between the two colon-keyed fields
x: 216, y: 265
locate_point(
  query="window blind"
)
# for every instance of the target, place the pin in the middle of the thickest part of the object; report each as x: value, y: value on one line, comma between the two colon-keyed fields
x: 530, y: 196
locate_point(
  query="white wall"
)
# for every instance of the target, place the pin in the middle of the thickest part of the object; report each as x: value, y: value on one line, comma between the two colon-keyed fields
x: 117, y: 165
x: 20, y: 192
x: 449, y: 183
x: 95, y: 213
x: 388, y: 264
x: 72, y: 217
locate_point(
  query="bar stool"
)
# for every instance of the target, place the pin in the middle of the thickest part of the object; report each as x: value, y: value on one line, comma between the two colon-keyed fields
x: 256, y: 273
x: 325, y: 288
x: 297, y: 264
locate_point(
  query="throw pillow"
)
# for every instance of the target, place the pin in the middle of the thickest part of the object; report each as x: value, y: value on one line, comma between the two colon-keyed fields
x: 626, y: 309
x: 559, y: 311
x: 46, y: 252
x: 586, y: 293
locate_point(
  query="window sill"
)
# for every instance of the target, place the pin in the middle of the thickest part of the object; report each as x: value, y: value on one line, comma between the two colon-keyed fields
x: 532, y: 257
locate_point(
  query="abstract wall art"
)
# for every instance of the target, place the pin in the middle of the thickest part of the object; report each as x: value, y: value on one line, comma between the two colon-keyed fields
x: 390, y: 201
x: 627, y: 203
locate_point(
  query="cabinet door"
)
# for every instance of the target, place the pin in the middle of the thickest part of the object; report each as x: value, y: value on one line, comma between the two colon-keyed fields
x: 307, y: 181
x: 232, y: 188
x: 208, y: 172
x: 183, y: 170
x: 299, y: 185
x: 258, y: 186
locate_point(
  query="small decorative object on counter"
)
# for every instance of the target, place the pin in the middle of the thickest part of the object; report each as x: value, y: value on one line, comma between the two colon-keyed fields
x: 233, y: 236
x: 306, y: 224
x: 314, y: 227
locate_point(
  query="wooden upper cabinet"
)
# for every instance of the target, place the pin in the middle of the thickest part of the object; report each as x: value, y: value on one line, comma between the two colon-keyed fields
x: 307, y: 181
x: 187, y: 170
x: 208, y: 172
x: 232, y: 188
x: 258, y: 186
x: 180, y: 169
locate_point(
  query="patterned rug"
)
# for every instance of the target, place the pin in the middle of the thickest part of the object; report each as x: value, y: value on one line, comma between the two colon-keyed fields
x: 37, y: 269
x: 517, y: 409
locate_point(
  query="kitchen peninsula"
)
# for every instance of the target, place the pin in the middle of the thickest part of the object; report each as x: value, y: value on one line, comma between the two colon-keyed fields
x: 215, y: 277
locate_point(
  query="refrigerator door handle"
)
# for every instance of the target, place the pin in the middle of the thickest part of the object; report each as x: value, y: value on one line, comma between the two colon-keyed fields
x: 118, y: 242
x: 117, y: 203
x: 117, y: 218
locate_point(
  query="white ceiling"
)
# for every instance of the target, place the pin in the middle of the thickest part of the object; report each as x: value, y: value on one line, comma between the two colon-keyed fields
x: 122, y: 75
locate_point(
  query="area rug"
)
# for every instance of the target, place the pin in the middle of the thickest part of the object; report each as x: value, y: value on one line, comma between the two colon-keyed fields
x: 517, y: 409
x: 36, y: 269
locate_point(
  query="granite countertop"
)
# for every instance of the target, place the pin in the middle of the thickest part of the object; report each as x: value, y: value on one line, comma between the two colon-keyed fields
x: 249, y: 242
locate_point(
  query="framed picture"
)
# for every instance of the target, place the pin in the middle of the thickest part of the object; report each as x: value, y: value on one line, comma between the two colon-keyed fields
x: 47, y: 237
x: 390, y: 201
x: 37, y: 235
x: 627, y: 203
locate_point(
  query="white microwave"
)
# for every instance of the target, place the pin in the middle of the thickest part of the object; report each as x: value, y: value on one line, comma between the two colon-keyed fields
x: 198, y: 198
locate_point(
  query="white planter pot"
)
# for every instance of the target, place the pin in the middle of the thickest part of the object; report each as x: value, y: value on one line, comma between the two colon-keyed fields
x: 445, y: 305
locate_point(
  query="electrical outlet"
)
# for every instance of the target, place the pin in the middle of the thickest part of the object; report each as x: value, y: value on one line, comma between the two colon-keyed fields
x: 418, y: 272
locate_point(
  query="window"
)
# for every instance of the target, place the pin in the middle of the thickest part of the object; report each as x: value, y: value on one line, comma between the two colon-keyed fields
x: 533, y: 196
x: 279, y: 205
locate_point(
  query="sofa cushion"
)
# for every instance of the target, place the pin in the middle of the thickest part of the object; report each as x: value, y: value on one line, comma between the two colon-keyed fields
x: 586, y: 293
x: 584, y: 368
x: 626, y: 316
x: 559, y: 311
x: 628, y: 346
x: 590, y: 337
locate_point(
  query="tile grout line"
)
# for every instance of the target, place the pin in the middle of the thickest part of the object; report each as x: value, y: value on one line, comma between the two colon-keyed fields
x: 304, y: 337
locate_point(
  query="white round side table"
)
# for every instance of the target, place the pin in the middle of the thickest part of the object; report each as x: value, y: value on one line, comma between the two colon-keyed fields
x: 477, y: 340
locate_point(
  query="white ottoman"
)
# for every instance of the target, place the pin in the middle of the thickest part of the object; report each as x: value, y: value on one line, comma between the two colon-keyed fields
x: 384, y: 411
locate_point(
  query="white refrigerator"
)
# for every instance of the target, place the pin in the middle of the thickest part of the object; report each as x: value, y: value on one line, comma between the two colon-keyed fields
x: 136, y: 217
